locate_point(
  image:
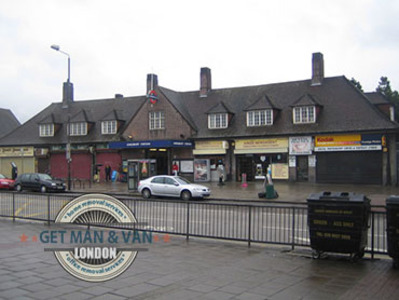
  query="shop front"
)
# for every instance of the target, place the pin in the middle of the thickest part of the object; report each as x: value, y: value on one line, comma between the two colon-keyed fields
x: 21, y: 157
x: 301, y: 159
x: 159, y: 154
x: 255, y: 156
x: 208, y: 155
x: 356, y: 159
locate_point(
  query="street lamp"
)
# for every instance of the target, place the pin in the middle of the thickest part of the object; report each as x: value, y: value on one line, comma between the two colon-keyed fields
x: 57, y: 48
x: 68, y: 86
x: 67, y: 97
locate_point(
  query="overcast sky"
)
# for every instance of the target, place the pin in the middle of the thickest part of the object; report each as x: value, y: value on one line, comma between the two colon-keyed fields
x: 114, y: 44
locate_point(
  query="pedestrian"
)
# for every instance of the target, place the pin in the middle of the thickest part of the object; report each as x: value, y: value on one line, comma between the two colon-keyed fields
x: 175, y: 169
x: 107, y: 173
x: 14, y: 171
x: 220, y: 170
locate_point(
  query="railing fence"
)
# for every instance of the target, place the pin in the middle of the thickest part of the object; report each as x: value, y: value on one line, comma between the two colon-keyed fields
x: 271, y: 223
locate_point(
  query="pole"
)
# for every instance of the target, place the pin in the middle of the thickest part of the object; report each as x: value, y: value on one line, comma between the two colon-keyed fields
x: 69, y: 69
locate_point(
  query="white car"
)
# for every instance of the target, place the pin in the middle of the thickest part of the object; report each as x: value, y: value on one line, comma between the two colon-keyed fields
x: 172, y: 186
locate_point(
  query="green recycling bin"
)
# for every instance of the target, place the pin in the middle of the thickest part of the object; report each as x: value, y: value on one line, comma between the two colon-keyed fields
x: 338, y: 222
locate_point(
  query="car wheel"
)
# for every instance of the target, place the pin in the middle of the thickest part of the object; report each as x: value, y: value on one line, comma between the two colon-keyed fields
x: 186, y: 195
x: 43, y: 189
x: 18, y: 187
x: 146, y: 193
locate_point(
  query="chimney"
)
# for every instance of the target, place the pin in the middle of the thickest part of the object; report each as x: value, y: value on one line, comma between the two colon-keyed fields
x: 317, y: 69
x: 206, y: 82
x: 67, y: 93
x: 152, y: 82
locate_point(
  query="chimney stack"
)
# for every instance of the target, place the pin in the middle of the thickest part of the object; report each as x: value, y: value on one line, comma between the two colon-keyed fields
x: 317, y: 68
x: 67, y: 93
x: 152, y: 82
x: 205, y: 82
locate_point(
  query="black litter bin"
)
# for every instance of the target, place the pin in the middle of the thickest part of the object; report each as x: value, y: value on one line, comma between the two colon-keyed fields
x: 392, y: 205
x: 338, y: 222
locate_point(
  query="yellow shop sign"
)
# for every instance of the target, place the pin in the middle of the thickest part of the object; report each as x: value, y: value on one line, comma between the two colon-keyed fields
x: 274, y: 145
x: 16, y: 151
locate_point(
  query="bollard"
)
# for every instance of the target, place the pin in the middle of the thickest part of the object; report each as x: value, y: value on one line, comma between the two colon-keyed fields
x: 244, y: 180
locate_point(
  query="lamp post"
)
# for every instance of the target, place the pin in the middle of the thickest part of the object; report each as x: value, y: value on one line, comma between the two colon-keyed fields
x: 67, y: 97
x: 57, y: 48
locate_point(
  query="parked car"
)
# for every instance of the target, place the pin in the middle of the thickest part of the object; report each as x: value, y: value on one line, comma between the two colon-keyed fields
x: 38, y: 182
x: 6, y: 183
x: 172, y: 186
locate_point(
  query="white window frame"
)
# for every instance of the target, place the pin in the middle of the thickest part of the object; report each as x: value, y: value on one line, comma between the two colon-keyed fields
x: 46, y: 130
x: 157, y: 120
x: 78, y: 129
x: 218, y: 121
x: 108, y: 127
x: 256, y: 118
x: 304, y: 114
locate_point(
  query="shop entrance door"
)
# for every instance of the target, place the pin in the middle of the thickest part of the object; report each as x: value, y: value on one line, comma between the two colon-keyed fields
x: 162, y: 161
x: 302, y: 168
x: 245, y: 165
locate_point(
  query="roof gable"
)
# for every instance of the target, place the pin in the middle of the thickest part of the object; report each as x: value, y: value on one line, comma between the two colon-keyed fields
x: 49, y: 119
x: 219, y: 108
x: 262, y: 103
x: 8, y: 122
x: 114, y: 115
x: 81, y: 116
x: 306, y: 100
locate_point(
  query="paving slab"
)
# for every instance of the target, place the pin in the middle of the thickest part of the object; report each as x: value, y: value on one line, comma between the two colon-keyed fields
x: 194, y: 269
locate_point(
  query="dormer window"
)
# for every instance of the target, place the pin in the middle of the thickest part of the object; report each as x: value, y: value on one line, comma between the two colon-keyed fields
x: 306, y: 109
x: 304, y: 114
x: 219, y: 116
x: 78, y: 129
x: 217, y: 121
x: 108, y: 127
x: 46, y: 130
x: 259, y: 118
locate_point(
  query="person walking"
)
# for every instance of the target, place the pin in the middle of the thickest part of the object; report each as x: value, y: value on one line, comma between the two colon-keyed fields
x: 220, y: 170
x: 107, y: 173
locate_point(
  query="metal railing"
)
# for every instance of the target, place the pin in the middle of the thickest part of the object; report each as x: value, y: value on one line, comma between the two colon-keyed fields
x: 269, y: 222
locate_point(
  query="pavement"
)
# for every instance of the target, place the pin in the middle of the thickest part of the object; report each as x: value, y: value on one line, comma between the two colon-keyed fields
x: 174, y: 268
x: 288, y: 191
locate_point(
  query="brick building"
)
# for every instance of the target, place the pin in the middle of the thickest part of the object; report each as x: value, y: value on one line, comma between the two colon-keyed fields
x: 318, y: 130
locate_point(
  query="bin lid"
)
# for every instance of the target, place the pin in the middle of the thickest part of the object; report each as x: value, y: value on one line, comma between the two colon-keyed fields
x: 339, y: 197
x: 393, y: 199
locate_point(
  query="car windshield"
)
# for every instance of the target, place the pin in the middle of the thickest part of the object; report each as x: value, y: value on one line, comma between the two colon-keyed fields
x: 45, y: 177
x: 2, y: 176
x: 182, y: 180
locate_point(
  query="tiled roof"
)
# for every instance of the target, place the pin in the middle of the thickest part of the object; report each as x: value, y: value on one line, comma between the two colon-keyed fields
x: 8, y: 122
x: 92, y: 111
x: 345, y: 109
x: 264, y: 102
x: 377, y: 98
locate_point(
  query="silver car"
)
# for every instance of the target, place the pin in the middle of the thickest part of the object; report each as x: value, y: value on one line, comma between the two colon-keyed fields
x: 172, y: 186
